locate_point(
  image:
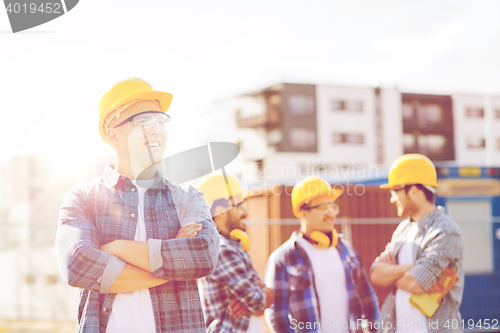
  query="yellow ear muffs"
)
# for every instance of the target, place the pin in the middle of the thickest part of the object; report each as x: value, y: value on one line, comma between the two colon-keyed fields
x: 242, y: 237
x: 323, y: 241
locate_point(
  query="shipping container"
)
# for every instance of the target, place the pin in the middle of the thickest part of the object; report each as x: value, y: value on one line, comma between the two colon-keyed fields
x: 470, y: 195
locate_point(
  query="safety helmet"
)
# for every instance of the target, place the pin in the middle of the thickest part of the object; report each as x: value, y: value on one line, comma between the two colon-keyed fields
x: 215, y: 188
x: 310, y: 188
x: 126, y: 91
x: 412, y: 169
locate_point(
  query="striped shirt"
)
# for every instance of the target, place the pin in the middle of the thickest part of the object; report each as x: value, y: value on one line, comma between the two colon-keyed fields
x: 106, y: 209
x: 234, y: 277
x: 438, y: 244
x: 290, y: 274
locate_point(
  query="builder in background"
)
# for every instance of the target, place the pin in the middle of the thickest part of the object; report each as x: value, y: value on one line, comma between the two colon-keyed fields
x: 423, y: 246
x: 318, y: 279
x: 126, y: 239
x: 234, y: 296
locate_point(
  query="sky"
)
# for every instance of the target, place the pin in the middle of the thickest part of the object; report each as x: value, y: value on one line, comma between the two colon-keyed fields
x: 53, y: 76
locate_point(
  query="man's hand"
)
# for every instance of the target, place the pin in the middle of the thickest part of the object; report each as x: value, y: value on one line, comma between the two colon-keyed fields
x: 409, y: 284
x: 109, y: 247
x: 237, y: 309
x: 191, y: 229
x: 388, y: 257
x: 387, y: 271
x: 137, y: 253
x: 269, y: 297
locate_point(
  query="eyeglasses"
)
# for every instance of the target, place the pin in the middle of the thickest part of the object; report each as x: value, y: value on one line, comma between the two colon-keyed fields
x: 147, y: 120
x: 241, y: 205
x: 397, y: 188
x: 324, y: 207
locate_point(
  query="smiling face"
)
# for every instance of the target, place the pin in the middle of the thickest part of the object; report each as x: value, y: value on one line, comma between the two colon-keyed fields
x: 403, y: 202
x: 317, y: 220
x: 136, y: 145
x: 230, y: 217
x: 236, y: 217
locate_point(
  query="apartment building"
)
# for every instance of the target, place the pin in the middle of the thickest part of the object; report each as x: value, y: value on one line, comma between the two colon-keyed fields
x: 477, y: 128
x: 288, y: 130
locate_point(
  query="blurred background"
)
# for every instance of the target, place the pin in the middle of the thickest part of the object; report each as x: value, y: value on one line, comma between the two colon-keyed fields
x: 334, y: 88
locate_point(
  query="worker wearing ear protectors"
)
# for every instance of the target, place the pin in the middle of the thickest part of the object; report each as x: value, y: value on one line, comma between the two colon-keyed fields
x: 319, y: 282
x: 234, y: 296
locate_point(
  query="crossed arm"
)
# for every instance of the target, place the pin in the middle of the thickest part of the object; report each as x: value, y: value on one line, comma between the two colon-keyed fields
x: 387, y: 272
x: 136, y: 274
x: 238, y: 309
x: 124, y: 266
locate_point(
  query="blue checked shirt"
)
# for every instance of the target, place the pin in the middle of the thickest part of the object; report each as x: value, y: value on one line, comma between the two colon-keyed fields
x: 438, y: 244
x: 103, y: 210
x: 290, y: 274
x: 234, y: 277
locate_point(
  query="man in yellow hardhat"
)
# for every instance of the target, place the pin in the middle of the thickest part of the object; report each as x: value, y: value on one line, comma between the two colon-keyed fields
x: 133, y: 242
x: 234, y: 296
x: 423, y: 246
x: 318, y: 279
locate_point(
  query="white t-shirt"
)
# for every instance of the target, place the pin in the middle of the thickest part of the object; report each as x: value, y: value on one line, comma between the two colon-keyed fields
x: 133, y: 312
x: 255, y: 325
x: 329, y: 278
x: 409, y: 319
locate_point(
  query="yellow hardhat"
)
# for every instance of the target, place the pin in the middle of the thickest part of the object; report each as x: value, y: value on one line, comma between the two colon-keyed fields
x: 310, y: 188
x: 412, y: 169
x: 215, y: 188
x: 129, y: 90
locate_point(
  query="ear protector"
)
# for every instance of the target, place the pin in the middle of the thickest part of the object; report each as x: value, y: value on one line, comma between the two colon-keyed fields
x: 242, y: 237
x: 323, y: 241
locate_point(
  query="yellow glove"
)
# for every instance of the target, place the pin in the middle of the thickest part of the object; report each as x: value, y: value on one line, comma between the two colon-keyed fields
x: 429, y: 302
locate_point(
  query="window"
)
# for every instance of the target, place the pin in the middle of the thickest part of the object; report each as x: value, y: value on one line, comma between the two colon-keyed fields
x: 352, y: 138
x: 51, y: 279
x: 409, y: 142
x: 427, y: 144
x: 338, y: 105
x: 30, y: 279
x: 408, y: 112
x: 302, y: 138
x: 274, y: 99
x: 434, y: 113
x: 429, y: 114
x: 474, y: 112
x: 356, y: 106
x: 353, y: 106
x: 301, y: 105
x: 475, y: 142
x: 274, y: 136
x: 431, y: 144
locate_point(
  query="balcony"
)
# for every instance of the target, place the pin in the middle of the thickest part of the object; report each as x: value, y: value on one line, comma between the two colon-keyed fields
x: 269, y: 119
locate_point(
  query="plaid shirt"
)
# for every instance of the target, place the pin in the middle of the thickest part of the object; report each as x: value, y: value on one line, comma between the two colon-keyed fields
x: 438, y: 245
x: 290, y: 274
x: 234, y: 277
x: 106, y: 209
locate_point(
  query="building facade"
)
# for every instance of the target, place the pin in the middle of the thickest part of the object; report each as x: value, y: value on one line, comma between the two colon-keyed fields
x: 288, y: 131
